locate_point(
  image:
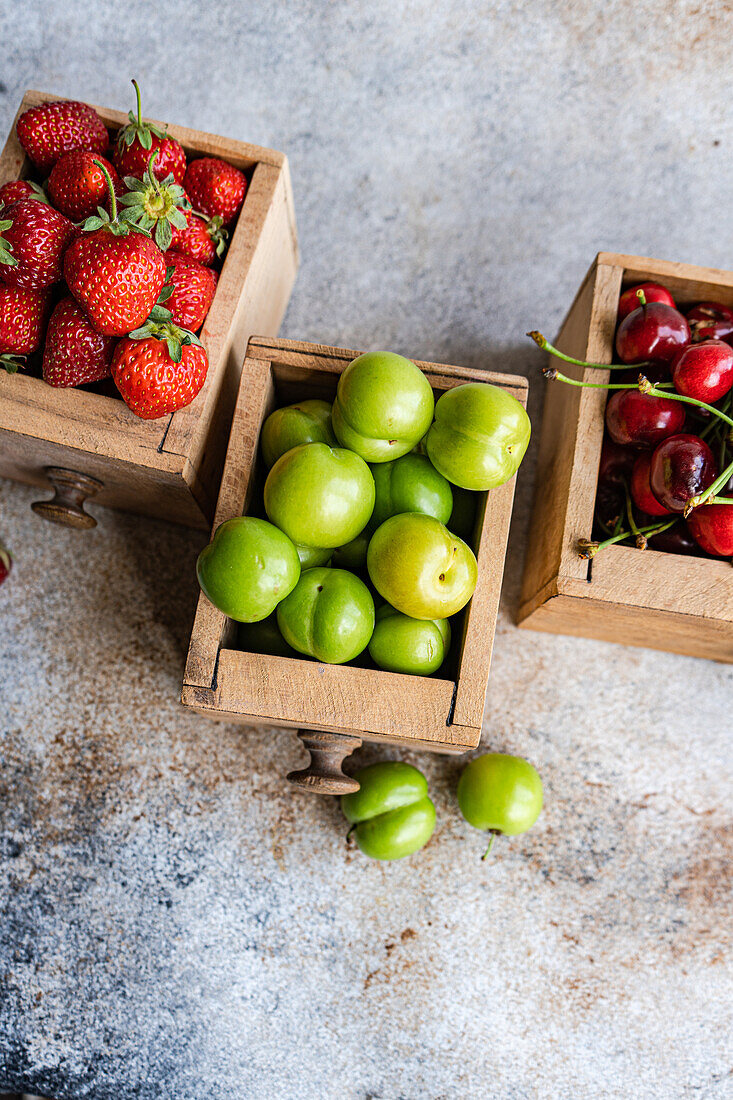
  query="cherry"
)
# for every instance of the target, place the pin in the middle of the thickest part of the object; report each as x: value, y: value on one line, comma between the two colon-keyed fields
x: 653, y: 292
x: 712, y: 527
x: 681, y: 466
x: 677, y: 540
x: 653, y: 331
x: 641, y: 491
x: 703, y: 371
x: 616, y: 463
x: 636, y: 418
x: 710, y: 321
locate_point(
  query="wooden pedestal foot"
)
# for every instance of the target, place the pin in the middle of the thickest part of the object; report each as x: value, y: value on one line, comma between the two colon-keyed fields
x: 67, y: 505
x: 324, y: 773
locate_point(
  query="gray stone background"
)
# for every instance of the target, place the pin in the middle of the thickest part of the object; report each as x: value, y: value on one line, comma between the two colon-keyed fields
x: 178, y: 923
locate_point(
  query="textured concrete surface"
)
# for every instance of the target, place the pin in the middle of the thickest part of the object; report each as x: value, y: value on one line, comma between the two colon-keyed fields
x: 176, y: 922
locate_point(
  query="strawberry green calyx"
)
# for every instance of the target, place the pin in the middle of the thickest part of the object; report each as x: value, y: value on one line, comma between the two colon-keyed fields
x: 218, y: 234
x: 159, y: 326
x: 11, y: 363
x: 136, y: 129
x: 111, y: 221
x: 157, y: 205
x: 6, y: 248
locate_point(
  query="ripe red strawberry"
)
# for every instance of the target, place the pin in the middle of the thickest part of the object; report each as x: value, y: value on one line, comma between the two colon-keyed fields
x: 193, y: 288
x: 159, y: 368
x: 6, y: 562
x: 77, y: 186
x: 74, y: 352
x: 48, y: 131
x: 33, y: 239
x: 136, y: 141
x: 115, y: 271
x: 16, y: 190
x: 23, y: 315
x: 215, y: 188
x: 154, y: 205
x: 201, y: 239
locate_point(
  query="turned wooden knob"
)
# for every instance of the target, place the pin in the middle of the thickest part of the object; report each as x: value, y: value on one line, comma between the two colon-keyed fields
x: 324, y: 773
x: 71, y: 489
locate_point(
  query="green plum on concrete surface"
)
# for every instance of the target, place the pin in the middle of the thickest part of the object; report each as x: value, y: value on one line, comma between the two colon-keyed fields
x: 263, y: 637
x: 500, y: 793
x: 320, y: 496
x: 391, y: 814
x: 410, y: 484
x: 353, y: 555
x: 311, y: 556
x: 383, y: 407
x: 479, y: 436
x: 416, y: 647
x: 307, y: 422
x: 248, y: 568
x: 419, y: 567
x: 329, y: 615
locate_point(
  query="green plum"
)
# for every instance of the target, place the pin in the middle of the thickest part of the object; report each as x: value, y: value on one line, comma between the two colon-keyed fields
x: 306, y: 422
x: 391, y: 814
x: 247, y: 568
x: 353, y: 555
x: 384, y: 406
x: 479, y: 436
x: 501, y: 793
x: 419, y: 567
x: 329, y: 615
x: 413, y: 646
x: 263, y: 637
x: 409, y: 484
x: 320, y: 496
x: 311, y: 556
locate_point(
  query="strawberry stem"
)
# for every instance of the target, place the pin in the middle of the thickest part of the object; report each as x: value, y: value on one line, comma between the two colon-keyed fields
x: 111, y: 189
x: 136, y: 86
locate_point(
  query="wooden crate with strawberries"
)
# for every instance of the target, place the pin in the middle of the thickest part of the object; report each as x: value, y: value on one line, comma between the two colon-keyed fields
x: 334, y: 701
x: 88, y: 443
x: 668, y: 583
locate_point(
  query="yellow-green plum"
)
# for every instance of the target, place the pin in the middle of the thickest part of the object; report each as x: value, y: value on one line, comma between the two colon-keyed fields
x: 479, y: 436
x: 419, y: 567
x: 409, y: 484
x: 263, y: 637
x: 384, y: 406
x: 501, y: 793
x: 353, y: 554
x: 329, y: 615
x: 307, y: 422
x: 320, y: 496
x: 416, y: 647
x: 248, y: 568
x: 311, y: 556
x: 391, y: 814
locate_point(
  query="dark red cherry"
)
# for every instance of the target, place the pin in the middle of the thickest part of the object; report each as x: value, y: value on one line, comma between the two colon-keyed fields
x: 641, y: 490
x: 653, y: 292
x: 675, y: 540
x: 710, y: 321
x: 616, y: 463
x: 681, y: 467
x: 654, y: 331
x: 703, y: 371
x: 637, y: 418
x: 712, y: 528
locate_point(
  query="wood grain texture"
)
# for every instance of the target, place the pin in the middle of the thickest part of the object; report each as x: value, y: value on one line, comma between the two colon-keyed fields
x: 441, y: 714
x: 88, y: 432
x: 663, y: 601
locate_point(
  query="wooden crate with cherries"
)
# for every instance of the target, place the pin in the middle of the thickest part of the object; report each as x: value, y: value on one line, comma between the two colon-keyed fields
x: 85, y: 442
x: 666, y: 589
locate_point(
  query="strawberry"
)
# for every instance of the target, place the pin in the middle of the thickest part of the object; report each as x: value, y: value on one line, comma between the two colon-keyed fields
x: 48, y: 131
x: 23, y: 316
x: 156, y: 205
x: 114, y: 270
x: 74, y: 353
x: 159, y: 368
x: 33, y: 239
x: 135, y: 142
x: 215, y: 188
x: 77, y: 186
x: 6, y: 562
x: 201, y: 239
x: 16, y: 190
x: 193, y: 287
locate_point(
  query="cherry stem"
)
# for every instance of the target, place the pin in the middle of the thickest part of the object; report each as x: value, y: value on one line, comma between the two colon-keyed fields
x: 641, y: 541
x: 589, y: 549
x: 110, y: 187
x: 651, y: 390
x: 552, y: 374
x: 545, y: 345
x: 711, y: 491
x: 641, y: 296
x: 487, y: 853
x: 720, y: 500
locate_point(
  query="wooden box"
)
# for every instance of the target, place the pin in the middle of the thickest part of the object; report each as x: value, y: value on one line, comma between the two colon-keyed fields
x: 443, y: 714
x: 169, y: 468
x: 643, y: 598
